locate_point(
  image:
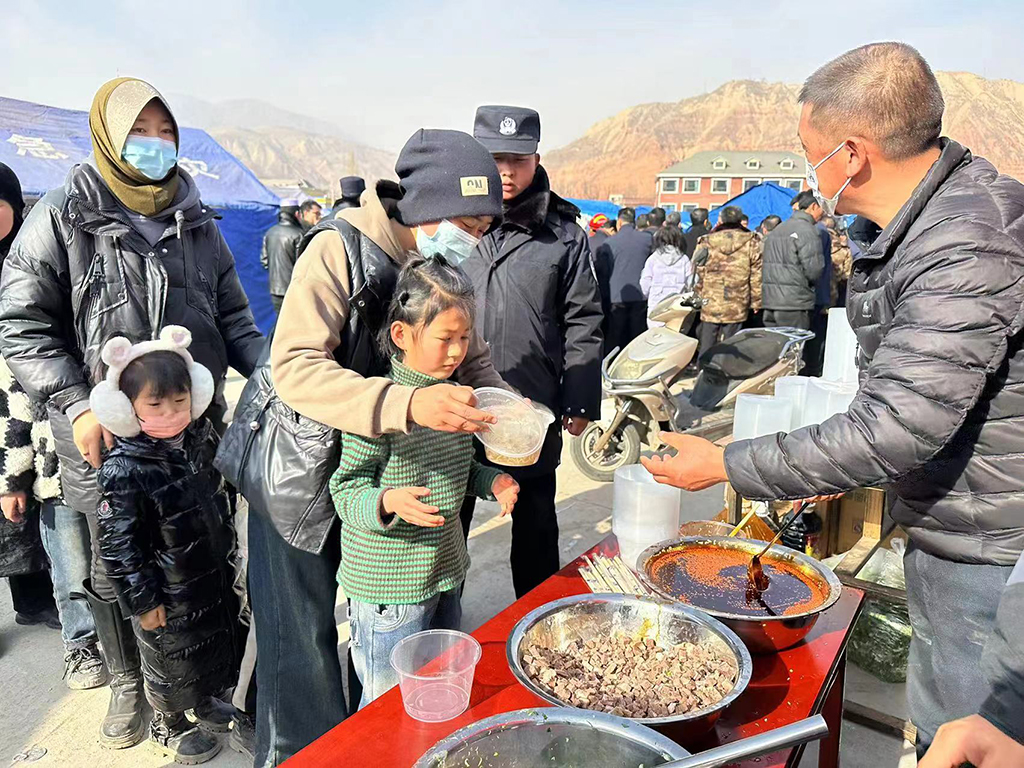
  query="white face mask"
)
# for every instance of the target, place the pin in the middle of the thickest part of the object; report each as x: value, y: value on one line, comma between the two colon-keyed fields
x: 828, y: 204
x: 451, y: 242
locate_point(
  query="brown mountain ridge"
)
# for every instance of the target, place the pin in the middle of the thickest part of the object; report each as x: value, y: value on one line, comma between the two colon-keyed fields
x: 624, y: 153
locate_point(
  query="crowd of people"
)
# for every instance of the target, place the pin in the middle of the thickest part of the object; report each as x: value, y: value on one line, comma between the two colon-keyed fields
x: 351, y: 443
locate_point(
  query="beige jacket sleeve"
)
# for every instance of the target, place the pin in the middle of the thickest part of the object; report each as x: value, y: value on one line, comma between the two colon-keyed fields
x: 309, y: 379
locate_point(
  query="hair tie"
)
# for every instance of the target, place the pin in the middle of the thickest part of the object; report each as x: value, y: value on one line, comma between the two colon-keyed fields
x: 404, y: 297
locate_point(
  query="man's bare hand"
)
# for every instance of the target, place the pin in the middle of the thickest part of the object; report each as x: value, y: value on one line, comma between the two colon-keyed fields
x: 153, y: 619
x: 698, y: 463
x: 448, y: 408
x: 405, y: 502
x: 972, y: 740
x: 90, y: 437
x: 574, y: 425
x: 14, y: 505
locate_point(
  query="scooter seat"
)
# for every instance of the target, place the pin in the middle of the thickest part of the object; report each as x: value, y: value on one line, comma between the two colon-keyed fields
x: 745, y: 354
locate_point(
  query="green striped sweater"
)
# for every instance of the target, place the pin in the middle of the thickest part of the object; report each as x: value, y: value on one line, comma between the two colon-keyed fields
x: 397, y: 562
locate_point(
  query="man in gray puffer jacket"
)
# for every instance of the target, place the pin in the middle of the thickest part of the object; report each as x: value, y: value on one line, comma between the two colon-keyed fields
x: 793, y: 260
x: 937, y: 303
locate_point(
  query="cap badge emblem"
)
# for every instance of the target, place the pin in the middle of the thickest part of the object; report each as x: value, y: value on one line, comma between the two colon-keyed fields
x: 507, y: 127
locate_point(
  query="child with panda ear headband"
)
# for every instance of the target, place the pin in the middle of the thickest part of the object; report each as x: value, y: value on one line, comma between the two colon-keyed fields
x: 165, y: 529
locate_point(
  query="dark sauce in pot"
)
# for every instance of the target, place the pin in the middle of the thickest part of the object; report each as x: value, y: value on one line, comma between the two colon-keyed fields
x: 715, y: 578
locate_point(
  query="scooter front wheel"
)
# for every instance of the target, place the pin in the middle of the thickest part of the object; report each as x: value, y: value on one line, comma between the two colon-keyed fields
x: 621, y: 450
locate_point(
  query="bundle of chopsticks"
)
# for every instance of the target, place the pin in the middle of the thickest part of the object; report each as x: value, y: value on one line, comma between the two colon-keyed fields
x: 610, y: 574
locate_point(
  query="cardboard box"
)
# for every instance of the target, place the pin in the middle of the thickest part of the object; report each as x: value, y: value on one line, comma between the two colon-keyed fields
x: 861, y: 513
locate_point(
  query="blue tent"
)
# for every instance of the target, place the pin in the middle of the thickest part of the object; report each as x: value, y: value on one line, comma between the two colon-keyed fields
x: 591, y: 208
x: 760, y: 202
x: 41, y: 144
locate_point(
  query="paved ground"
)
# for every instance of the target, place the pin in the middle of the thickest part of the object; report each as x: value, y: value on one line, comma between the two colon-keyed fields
x: 44, y: 723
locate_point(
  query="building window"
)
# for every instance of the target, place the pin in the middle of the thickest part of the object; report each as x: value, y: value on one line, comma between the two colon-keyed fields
x: 670, y: 185
x: 753, y: 164
x: 718, y: 164
x: 713, y: 206
x: 720, y: 186
x: 786, y: 165
x: 691, y: 186
x: 669, y: 207
x: 793, y: 184
x: 687, y: 207
x: 750, y: 183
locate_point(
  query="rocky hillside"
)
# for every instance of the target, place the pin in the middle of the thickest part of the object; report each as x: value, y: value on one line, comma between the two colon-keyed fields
x: 622, y: 155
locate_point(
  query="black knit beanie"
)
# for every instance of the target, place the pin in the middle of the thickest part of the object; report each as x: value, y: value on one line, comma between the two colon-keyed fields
x: 446, y: 174
x: 10, y: 192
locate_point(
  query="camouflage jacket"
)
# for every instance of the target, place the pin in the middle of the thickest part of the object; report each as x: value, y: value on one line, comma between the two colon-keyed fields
x: 728, y: 275
x: 842, y: 263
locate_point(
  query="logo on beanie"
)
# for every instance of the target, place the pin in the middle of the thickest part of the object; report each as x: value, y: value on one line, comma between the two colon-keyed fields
x: 474, y: 185
x: 507, y: 127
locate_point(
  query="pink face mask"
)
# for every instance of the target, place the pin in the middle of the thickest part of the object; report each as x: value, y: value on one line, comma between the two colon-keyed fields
x: 165, y: 427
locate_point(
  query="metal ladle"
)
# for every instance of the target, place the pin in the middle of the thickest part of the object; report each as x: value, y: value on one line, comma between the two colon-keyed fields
x: 800, y: 732
x: 755, y: 573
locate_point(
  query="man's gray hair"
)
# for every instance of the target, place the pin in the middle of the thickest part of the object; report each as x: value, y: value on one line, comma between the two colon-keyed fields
x: 885, y: 92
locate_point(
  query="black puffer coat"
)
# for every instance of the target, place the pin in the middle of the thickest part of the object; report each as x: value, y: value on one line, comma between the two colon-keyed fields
x: 79, y: 273
x: 539, y: 309
x: 280, y: 250
x: 793, y: 261
x: 165, y: 536
x: 938, y: 306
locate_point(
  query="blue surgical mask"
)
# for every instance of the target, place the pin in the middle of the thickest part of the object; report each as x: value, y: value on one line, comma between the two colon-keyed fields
x: 152, y: 156
x: 449, y: 241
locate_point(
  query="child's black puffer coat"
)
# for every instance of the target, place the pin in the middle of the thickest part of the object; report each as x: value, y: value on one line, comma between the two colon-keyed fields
x: 165, y: 537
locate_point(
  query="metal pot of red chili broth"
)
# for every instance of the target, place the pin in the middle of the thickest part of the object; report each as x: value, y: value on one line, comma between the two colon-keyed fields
x: 710, y: 574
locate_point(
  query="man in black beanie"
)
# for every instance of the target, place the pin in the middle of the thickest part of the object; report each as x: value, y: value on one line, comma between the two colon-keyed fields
x: 326, y: 365
x: 539, y: 309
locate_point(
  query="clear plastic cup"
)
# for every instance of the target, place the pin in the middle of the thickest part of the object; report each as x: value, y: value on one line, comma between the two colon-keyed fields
x: 644, y: 511
x: 435, y: 673
x: 518, y: 437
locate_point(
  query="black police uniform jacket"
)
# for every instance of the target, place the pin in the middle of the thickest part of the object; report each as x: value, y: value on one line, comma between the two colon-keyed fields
x: 539, y: 309
x: 165, y: 536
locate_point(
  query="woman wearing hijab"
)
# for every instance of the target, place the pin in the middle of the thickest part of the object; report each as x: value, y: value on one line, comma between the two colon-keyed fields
x: 125, y: 247
x: 33, y: 518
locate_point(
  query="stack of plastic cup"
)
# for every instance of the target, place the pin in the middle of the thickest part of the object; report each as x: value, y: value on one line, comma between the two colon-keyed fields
x: 758, y: 415
x: 793, y: 389
x: 840, y: 349
x: 825, y: 399
x: 644, y: 511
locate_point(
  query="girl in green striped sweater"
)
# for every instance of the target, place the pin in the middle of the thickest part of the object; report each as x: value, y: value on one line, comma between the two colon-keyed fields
x: 404, y: 556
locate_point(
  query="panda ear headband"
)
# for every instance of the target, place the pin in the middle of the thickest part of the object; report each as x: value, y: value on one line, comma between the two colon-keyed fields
x: 111, y: 406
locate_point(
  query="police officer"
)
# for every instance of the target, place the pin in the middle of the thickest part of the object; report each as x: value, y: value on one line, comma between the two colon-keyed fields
x: 539, y: 309
x: 351, y: 188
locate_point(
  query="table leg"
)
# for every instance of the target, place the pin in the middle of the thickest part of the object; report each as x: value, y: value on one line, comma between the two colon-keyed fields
x: 832, y: 711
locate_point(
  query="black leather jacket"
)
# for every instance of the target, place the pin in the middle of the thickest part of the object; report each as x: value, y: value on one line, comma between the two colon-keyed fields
x: 937, y: 303
x: 79, y: 273
x: 164, y: 537
x: 280, y: 249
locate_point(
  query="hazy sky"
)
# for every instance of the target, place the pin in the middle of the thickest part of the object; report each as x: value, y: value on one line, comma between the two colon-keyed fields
x: 383, y: 68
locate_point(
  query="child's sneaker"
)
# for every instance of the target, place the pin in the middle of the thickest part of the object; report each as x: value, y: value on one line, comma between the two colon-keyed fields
x: 175, y: 737
x: 212, y: 715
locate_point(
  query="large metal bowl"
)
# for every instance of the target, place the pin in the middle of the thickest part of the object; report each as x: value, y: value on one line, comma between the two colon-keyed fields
x: 762, y: 634
x: 540, y: 738
x: 585, y: 617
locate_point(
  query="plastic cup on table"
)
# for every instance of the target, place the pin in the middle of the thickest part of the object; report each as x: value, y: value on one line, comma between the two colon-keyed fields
x: 435, y: 673
x: 759, y: 415
x: 644, y: 511
x: 794, y: 389
x: 840, y: 349
x: 825, y: 399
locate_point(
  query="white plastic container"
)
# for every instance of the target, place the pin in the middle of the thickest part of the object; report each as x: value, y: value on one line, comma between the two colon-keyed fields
x: 840, y: 349
x: 825, y: 399
x: 793, y: 389
x: 518, y: 437
x: 435, y: 673
x: 758, y: 415
x: 644, y: 511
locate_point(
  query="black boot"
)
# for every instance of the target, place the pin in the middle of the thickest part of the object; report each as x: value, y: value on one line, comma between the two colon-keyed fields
x: 181, y: 741
x: 213, y: 715
x: 124, y: 725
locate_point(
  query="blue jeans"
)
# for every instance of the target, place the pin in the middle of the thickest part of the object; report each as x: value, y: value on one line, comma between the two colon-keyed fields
x: 377, y: 629
x: 299, y: 694
x: 952, y: 612
x: 65, y: 535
